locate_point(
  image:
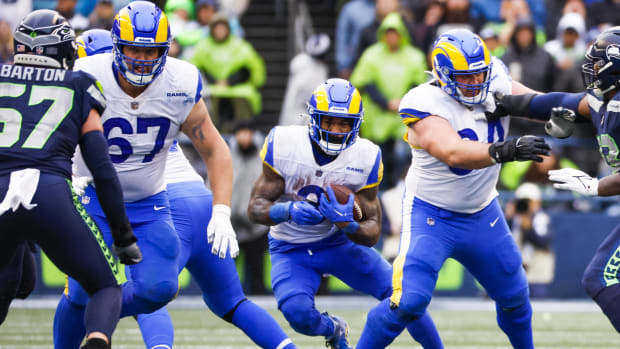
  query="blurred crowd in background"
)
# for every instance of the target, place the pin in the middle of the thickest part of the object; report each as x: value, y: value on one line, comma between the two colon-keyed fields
x: 382, y: 46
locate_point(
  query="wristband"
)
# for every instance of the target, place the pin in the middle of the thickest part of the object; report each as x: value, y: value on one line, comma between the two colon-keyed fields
x: 279, y: 212
x: 351, y: 228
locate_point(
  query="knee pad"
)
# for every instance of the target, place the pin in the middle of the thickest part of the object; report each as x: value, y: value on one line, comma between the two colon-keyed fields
x: 413, y: 304
x: 299, y: 311
x: 158, y: 292
x: 511, y: 302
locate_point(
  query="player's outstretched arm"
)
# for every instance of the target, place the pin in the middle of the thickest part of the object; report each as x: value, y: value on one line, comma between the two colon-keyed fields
x: 369, y: 229
x: 94, y: 150
x: 435, y: 135
x: 580, y: 182
x: 216, y: 155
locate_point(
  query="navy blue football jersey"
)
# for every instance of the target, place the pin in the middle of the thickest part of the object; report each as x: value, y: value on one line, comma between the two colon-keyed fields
x: 606, y: 120
x: 41, y: 115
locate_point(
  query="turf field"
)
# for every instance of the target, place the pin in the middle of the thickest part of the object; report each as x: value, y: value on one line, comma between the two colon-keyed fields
x: 462, y: 324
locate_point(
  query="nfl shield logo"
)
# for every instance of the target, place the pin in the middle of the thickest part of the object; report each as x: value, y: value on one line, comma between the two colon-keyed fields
x: 134, y: 105
x: 318, y: 173
x: 38, y: 50
x: 430, y: 221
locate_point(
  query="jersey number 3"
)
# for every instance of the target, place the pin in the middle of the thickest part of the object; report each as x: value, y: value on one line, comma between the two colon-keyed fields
x: 11, y: 123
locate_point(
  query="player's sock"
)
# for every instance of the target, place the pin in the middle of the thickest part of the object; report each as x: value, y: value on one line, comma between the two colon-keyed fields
x: 382, y: 326
x: 95, y: 343
x: 517, y: 324
x: 5, y: 303
x: 156, y: 328
x: 69, y: 327
x: 423, y: 330
x: 259, y: 326
x: 103, y: 310
x: 609, y: 301
x: 303, y: 317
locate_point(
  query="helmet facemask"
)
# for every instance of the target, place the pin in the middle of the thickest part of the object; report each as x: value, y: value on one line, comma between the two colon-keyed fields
x: 331, y: 142
x: 601, y: 74
x: 139, y: 72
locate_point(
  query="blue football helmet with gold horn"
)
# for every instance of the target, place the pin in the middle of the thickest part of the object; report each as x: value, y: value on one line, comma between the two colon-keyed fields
x: 140, y: 24
x: 335, y: 98
x: 93, y: 41
x: 461, y: 52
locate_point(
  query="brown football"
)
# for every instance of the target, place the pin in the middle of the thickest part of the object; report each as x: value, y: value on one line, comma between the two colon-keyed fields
x: 342, y: 195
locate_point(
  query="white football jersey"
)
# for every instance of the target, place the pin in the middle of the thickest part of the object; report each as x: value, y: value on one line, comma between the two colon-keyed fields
x: 140, y: 130
x: 178, y: 168
x: 433, y: 181
x: 288, y: 151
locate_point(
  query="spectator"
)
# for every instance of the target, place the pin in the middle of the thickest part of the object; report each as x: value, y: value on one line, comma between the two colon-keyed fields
x: 603, y: 14
x: 492, y: 10
x: 6, y: 42
x: 424, y: 32
x: 526, y: 61
x: 384, y: 73
x: 233, y: 70
x: 456, y: 17
x: 569, y: 47
x: 180, y: 14
x: 530, y: 227
x: 558, y: 8
x: 369, y: 33
x: 307, y: 70
x: 102, y: 16
x: 67, y: 9
x: 353, y: 18
x: 253, y: 241
x: 491, y: 39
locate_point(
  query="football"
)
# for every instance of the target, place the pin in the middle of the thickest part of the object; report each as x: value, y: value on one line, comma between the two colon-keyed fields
x: 342, y: 195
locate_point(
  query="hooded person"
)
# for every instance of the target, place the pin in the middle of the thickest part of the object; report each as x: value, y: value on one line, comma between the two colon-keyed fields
x: 234, y: 71
x: 569, y: 47
x: 384, y: 73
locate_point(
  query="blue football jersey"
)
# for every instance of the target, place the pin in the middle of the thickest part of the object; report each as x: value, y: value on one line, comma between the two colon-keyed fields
x: 41, y: 115
x: 606, y: 120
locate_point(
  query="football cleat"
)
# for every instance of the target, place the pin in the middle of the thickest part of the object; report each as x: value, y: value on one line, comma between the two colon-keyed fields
x: 339, y: 340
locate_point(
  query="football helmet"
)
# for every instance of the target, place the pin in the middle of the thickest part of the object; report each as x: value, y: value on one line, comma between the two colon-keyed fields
x: 44, y: 38
x: 92, y: 42
x: 335, y: 98
x: 140, y: 24
x: 601, y: 70
x: 461, y: 52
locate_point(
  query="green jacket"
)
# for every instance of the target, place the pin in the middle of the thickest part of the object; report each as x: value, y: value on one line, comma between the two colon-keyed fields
x: 220, y: 60
x: 393, y: 73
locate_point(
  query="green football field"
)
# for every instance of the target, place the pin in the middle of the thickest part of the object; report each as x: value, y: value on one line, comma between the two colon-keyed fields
x: 468, y: 325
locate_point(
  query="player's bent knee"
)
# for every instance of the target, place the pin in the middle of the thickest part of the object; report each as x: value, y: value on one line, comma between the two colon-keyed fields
x: 413, y: 304
x: 300, y: 313
x: 158, y: 293
x: 514, y: 301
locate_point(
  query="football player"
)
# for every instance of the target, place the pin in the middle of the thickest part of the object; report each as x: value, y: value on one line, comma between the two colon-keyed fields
x: 154, y: 97
x: 46, y: 111
x: 310, y: 234
x: 190, y: 204
x: 450, y: 207
x: 600, y: 104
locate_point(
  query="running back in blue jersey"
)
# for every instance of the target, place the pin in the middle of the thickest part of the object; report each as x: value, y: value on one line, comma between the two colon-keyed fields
x: 43, y: 110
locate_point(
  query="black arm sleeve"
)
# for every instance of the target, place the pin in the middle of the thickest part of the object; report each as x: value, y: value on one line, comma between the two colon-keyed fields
x: 538, y: 106
x: 375, y: 95
x: 94, y: 150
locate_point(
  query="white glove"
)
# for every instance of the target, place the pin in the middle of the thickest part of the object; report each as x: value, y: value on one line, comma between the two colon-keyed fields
x: 79, y: 184
x: 221, y: 233
x: 575, y: 180
x: 561, y: 123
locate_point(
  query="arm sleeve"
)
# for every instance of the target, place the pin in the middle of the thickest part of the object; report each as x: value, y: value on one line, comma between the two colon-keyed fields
x: 94, y: 150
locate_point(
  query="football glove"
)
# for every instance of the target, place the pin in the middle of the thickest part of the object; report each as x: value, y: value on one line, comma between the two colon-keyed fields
x: 519, y: 149
x: 575, y: 180
x: 335, y: 211
x: 79, y: 184
x: 561, y: 123
x: 221, y: 234
x: 304, y: 213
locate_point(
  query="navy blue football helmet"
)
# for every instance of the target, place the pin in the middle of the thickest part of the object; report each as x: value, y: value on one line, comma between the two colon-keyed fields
x: 601, y: 71
x: 44, y: 38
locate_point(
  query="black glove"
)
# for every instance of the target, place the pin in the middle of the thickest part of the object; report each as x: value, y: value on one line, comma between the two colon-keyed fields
x: 499, y: 111
x: 519, y: 149
x: 124, y: 246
